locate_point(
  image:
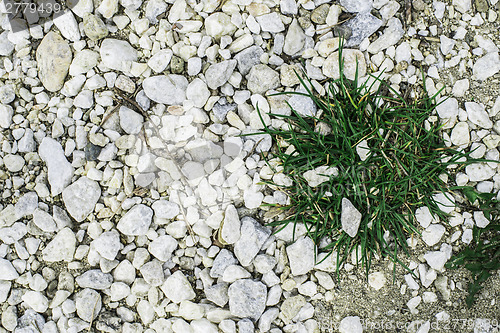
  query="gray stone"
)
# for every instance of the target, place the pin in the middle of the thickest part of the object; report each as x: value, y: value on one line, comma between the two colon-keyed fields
x: 223, y: 259
x: 270, y: 22
x: 26, y: 205
x: 222, y: 107
x: 136, y: 221
x: 53, y: 57
x: 247, y: 299
x: 44, y: 221
x: 255, y: 235
x: 350, y: 218
x: 303, y: 105
x: 361, y: 26
x: 218, y: 74
x: 130, y: 121
x: 295, y: 39
x: 357, y: 6
x: 167, y: 89
x: 88, y: 304
x: 117, y: 54
x: 218, y: 294
x: 95, y: 279
x: 248, y: 58
x: 81, y: 197
x: 152, y: 272
x: 262, y: 78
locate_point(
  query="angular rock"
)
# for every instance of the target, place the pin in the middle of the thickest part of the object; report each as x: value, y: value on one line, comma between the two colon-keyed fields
x: 351, y: 325
x: 61, y: 248
x: 350, y: 218
x: 44, y: 221
x: 223, y: 259
x: 6, y: 113
x: 177, y: 288
x: 262, y: 78
x: 81, y: 197
x: 107, y: 244
x: 163, y: 247
x: 392, y: 34
x: 247, y: 299
x: 230, y: 230
x: 218, y: 25
x: 130, y: 121
x: 117, y: 54
x: 197, y: 92
x: 352, y: 59
x: 478, y: 115
x: 59, y: 170
x: 7, y: 271
x: 153, y: 273
x: 486, y: 66
x: 167, y: 89
x: 218, y: 74
x: 361, y: 26
x: 295, y: 39
x: 165, y: 209
x: 433, y: 234
x: 255, y: 235
x: 217, y: 294
x: 53, y: 57
x: 88, y: 304
x: 248, y: 58
x: 479, y: 171
x: 95, y: 279
x: 301, y: 255
x: 357, y: 6
x: 136, y: 221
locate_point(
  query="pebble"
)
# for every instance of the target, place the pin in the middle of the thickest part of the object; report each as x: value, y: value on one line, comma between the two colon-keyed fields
x: 163, y: 247
x: 136, y: 221
x: 218, y: 294
x: 131, y: 122
x: 167, y: 89
x: 117, y: 54
x: 94, y: 27
x: 392, y: 34
x: 36, y: 300
x: 479, y: 171
x: 357, y: 6
x: 219, y: 73
x: 107, y: 244
x: 301, y: 255
x: 177, y: 288
x: 248, y: 58
x: 362, y: 26
x: 218, y: 25
x: 352, y: 59
x: 7, y: 271
x: 223, y: 259
x: 197, y: 92
x: 478, y: 115
x: 95, y: 279
x: 377, y: 280
x: 295, y: 39
x: 61, y: 248
x: 6, y: 113
x: 271, y: 22
x: 255, y: 235
x: 13, y: 163
x: 433, y: 234
x: 351, y: 324
x: 53, y: 57
x: 262, y: 78
x: 230, y: 229
x: 81, y: 197
x: 247, y: 299
x: 486, y: 66
x: 88, y: 304
x: 60, y: 171
x: 165, y: 209
x: 350, y: 218
x: 460, y: 134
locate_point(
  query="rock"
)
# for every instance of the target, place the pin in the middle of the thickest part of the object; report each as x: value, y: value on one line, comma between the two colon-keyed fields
x: 177, y: 288
x: 460, y: 134
x: 247, y: 299
x: 94, y: 27
x: 163, y: 247
x: 88, y: 304
x: 167, y: 89
x: 83, y: 61
x: 6, y: 47
x: 67, y: 25
x: 291, y: 307
x: 44, y: 221
x: 255, y: 235
x: 193, y: 170
x: 248, y: 58
x: 108, y: 8
x: 357, y: 6
x: 13, y: 163
x: 447, y: 109
x: 36, y: 300
x: 301, y: 256
x: 136, y: 221
x: 271, y: 22
x: 351, y: 325
x: 480, y: 220
x: 460, y: 88
x: 222, y: 108
x: 152, y: 272
x: 130, y: 121
x: 26, y: 205
x: 303, y: 105
x: 165, y: 209
x: 479, y: 171
x: 217, y: 294
x: 218, y: 25
x: 7, y: 94
x: 230, y: 229
x: 107, y: 244
x: 61, y: 248
x: 320, y: 13
x: 223, y: 259
x: 95, y: 279
x: 433, y: 234
x: 295, y: 39
x: 117, y: 54
x: 262, y: 78
x: 60, y: 170
x: 463, y: 6
x: 436, y: 259
x: 218, y: 74
x: 288, y: 7
x: 352, y: 59
x: 445, y: 202
x: 160, y: 60
x: 478, y: 115
x: 392, y: 34
x: 350, y: 218
x: 267, y: 318
x: 53, y: 58
x: 377, y: 280
x: 6, y: 113
x: 7, y: 271
x: 424, y: 217
x: 235, y: 272
x: 81, y: 197
x: 361, y: 26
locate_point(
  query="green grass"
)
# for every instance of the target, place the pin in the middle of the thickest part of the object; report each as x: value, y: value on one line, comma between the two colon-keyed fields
x: 408, y: 159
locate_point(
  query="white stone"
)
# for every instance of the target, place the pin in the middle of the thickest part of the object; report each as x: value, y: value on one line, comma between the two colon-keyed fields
x: 107, y: 244
x: 351, y: 325
x: 479, y: 171
x: 7, y: 271
x: 445, y: 202
x: 357, y: 6
x: 377, y: 280
x: 6, y: 113
x: 191, y: 311
x: 62, y: 247
x: 413, y: 303
x: 13, y: 163
x: 486, y: 66
x: 67, y: 25
x: 352, y: 59
x: 167, y: 89
x: 130, y: 121
x: 160, y: 60
x: 460, y: 134
x: 163, y: 247
x: 36, y: 300
x: 392, y: 34
x: 117, y: 54
x: 255, y: 235
x: 247, y: 299
x: 436, y: 259
x: 447, y: 44
x: 270, y: 22
x: 424, y: 217
x: 177, y: 288
x: 60, y: 170
x: 235, y: 272
x: 350, y: 218
x: 53, y: 57
x: 81, y: 197
x: 197, y: 92
x: 295, y: 39
x: 230, y: 230
x: 218, y: 25
x: 433, y: 234
x: 460, y: 88
x: 448, y: 108
x: 136, y: 221
x: 320, y: 175
x: 301, y: 255
x: 480, y: 219
x: 462, y: 6
x: 165, y: 209
x: 44, y: 221
x: 477, y: 115
x: 218, y: 74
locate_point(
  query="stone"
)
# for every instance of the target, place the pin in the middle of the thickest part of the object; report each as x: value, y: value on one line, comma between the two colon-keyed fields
x: 152, y: 272
x: 301, y: 255
x: 486, y: 66
x: 67, y: 25
x: 235, y: 272
x: 262, y: 78
x: 295, y: 39
x: 177, y: 288
x: 218, y: 25
x: 107, y: 244
x: 291, y: 307
x: 447, y: 108
x: 357, y: 6
x: 351, y: 324
x: 6, y: 46
x: 255, y: 235
x: 463, y: 6
x: 44, y: 221
x: 478, y: 115
x: 26, y: 205
x: 271, y: 22
x: 13, y: 163
x: 94, y: 279
x: 60, y: 170
x: 247, y: 299
x: 433, y: 234
x: 83, y: 61
x: 7, y: 271
x: 445, y: 202
x: 53, y: 58
x: 377, y: 280
x: 267, y: 318
x: 197, y: 92
x: 117, y: 54
x: 436, y: 259
x: 163, y: 247
x: 424, y: 216
x: 303, y: 105
x: 88, y: 304
x: 350, y: 218
x: 61, y: 247
x: 136, y: 221
x: 362, y: 26
x: 94, y: 27
x: 130, y: 121
x: 218, y: 74
x: 6, y: 113
x: 81, y: 197
x: 36, y: 300
x: 352, y: 59
x: 248, y: 58
x: 165, y: 209
x: 167, y: 89
x: 460, y: 135
x: 217, y: 294
x: 230, y: 229
x: 392, y: 34
x: 160, y: 60
x: 223, y: 259
x: 480, y: 220
x: 479, y: 171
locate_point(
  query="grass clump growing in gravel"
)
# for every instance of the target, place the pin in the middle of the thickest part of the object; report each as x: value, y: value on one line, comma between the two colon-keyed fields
x: 405, y: 167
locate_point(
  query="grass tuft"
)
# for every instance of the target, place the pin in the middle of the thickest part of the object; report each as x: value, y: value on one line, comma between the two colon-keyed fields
x: 408, y: 162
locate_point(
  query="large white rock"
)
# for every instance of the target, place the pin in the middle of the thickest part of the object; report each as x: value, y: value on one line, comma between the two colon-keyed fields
x: 433, y: 234
x: 301, y: 255
x: 36, y: 300
x: 249, y: 245
x: 81, y: 197
x: 350, y: 218
x: 53, y: 58
x: 460, y: 134
x: 478, y: 115
x: 445, y: 202
x: 197, y: 92
x: 486, y: 66
x: 136, y: 221
x: 247, y: 299
x: 59, y: 170
x: 67, y: 25
x: 218, y: 74
x: 295, y: 39
x: 163, y: 247
x: 479, y: 171
x: 7, y: 271
x: 218, y: 25
x: 61, y: 248
x: 167, y: 89
x: 107, y: 244
x: 117, y: 54
x: 177, y: 288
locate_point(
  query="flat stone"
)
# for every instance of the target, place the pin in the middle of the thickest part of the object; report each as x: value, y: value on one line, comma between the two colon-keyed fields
x: 218, y: 294
x: 270, y: 22
x: 291, y: 307
x: 295, y: 39
x: 478, y: 115
x: 60, y: 171
x: 94, y: 279
x: 301, y: 255
x: 424, y: 216
x: 53, y: 57
x: 152, y: 272
x: 448, y: 108
x: 81, y: 197
x: 6, y: 113
x: 107, y: 244
x: 88, y: 304
x: 392, y: 34
x: 445, y: 202
x: 36, y: 300
x: 94, y: 27
x: 247, y: 299
x: 117, y: 54
x: 255, y: 235
x: 479, y: 171
x: 167, y: 89
x: 130, y: 121
x: 136, y: 221
x: 13, y: 163
x: 460, y: 134
x: 218, y: 74
x: 165, y: 209
x: 377, y: 280
x: 486, y: 66
x: 223, y: 259
x: 7, y: 271
x: 433, y: 234
x: 67, y: 25
x: 248, y: 58
x: 350, y: 218
x: 61, y: 247
x: 44, y: 221
x: 177, y: 288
